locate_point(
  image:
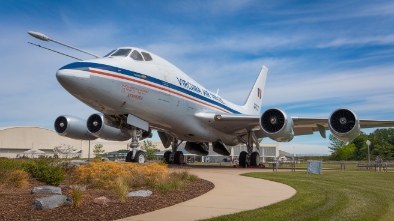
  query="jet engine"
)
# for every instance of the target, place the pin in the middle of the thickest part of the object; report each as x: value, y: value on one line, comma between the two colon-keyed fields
x: 201, y: 149
x: 277, y: 125
x: 72, y: 127
x: 344, y: 124
x: 98, y: 126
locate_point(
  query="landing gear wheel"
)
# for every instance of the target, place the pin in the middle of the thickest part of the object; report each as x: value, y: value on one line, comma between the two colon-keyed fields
x: 167, y: 157
x: 129, y: 157
x: 242, y: 159
x: 255, y: 159
x: 140, y: 157
x: 178, y: 158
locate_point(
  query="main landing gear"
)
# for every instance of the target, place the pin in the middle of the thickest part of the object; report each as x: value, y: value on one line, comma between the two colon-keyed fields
x: 250, y: 158
x: 135, y: 155
x: 175, y: 156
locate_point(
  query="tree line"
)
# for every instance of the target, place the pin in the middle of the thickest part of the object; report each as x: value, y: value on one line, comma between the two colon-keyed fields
x: 382, y: 144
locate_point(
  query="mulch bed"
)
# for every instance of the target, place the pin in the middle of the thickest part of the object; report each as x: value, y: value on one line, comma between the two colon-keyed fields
x: 15, y: 203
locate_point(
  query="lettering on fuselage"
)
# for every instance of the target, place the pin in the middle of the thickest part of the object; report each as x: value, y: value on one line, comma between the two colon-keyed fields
x: 138, y: 97
x: 134, y: 92
x: 191, y: 87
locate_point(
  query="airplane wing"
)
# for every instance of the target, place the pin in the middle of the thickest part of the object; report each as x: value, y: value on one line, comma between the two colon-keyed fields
x: 303, y: 125
x: 241, y: 123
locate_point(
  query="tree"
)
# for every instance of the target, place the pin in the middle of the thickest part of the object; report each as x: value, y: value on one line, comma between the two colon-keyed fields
x: 382, y: 143
x: 335, y: 147
x: 346, y: 152
x: 150, y: 149
x: 98, y: 150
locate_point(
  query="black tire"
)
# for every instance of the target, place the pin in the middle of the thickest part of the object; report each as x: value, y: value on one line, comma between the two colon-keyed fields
x: 129, y: 157
x: 242, y: 159
x: 178, y: 158
x: 166, y: 157
x: 255, y: 159
x: 140, y: 157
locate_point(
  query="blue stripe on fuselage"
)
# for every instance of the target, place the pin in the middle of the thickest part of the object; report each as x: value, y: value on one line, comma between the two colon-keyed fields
x: 80, y: 65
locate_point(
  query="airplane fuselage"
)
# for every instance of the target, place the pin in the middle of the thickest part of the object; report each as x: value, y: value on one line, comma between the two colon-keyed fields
x: 155, y: 91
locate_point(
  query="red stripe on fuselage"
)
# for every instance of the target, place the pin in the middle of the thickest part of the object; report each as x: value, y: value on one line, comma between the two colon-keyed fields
x: 154, y: 86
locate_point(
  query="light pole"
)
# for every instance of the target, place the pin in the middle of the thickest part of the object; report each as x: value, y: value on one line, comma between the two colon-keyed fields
x: 89, y: 152
x: 369, y: 157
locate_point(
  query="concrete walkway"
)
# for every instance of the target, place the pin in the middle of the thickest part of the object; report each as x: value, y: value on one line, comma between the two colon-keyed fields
x: 232, y: 194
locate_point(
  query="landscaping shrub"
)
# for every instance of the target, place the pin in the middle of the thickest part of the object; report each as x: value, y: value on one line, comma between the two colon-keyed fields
x: 121, y: 188
x: 103, y: 174
x: 11, y: 172
x: 76, y: 195
x: 46, y: 171
x: 122, y: 176
x: 16, y: 178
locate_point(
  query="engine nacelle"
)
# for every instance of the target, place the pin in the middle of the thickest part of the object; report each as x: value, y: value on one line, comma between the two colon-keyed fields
x: 201, y: 149
x: 97, y: 126
x: 72, y: 127
x: 277, y: 125
x: 344, y: 124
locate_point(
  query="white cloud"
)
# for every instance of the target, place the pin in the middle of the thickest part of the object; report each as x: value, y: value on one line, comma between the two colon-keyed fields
x: 356, y: 41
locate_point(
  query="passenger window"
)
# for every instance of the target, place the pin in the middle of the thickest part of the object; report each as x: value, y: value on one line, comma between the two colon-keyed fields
x: 109, y: 53
x: 121, y: 53
x: 147, y: 56
x: 136, y: 56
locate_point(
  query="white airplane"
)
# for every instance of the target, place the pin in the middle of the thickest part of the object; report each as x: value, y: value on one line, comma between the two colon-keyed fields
x: 136, y: 92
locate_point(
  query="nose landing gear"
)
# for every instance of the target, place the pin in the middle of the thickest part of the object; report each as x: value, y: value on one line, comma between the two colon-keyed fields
x: 135, y: 155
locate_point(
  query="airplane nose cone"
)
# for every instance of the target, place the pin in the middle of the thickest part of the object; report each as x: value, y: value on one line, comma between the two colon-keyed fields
x: 74, y: 81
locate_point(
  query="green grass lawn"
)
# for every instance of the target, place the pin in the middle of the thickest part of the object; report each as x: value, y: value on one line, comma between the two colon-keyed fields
x: 334, y: 195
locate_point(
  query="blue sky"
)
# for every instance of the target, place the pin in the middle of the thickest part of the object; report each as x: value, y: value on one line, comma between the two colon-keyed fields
x: 321, y: 55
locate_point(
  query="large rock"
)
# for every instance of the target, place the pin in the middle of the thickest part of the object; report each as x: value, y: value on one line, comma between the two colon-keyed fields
x: 47, y: 189
x: 140, y: 193
x: 51, y: 202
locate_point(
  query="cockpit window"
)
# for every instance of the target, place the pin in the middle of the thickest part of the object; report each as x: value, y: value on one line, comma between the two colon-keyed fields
x: 121, y: 53
x: 109, y: 53
x: 147, y: 56
x: 136, y: 56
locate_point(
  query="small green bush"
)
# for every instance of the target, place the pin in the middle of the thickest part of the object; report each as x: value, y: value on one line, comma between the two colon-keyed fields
x: 43, y: 171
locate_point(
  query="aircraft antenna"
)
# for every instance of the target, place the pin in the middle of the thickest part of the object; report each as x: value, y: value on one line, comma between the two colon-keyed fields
x: 217, y: 92
x: 55, y: 51
x: 43, y: 37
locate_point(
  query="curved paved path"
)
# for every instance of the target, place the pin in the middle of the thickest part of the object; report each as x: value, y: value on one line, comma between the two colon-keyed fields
x: 232, y: 194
